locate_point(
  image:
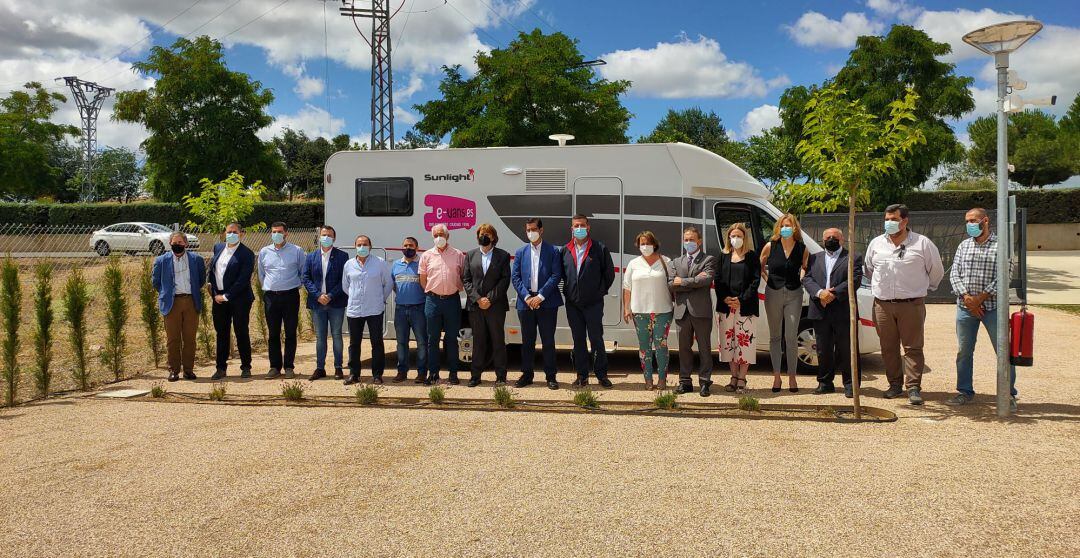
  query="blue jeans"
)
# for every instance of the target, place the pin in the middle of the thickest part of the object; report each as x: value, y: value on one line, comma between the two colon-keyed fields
x: 322, y: 316
x: 967, y: 332
x: 406, y: 317
x: 443, y: 315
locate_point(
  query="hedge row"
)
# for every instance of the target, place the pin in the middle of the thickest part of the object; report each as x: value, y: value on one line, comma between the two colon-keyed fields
x: 305, y: 214
x: 1043, y: 206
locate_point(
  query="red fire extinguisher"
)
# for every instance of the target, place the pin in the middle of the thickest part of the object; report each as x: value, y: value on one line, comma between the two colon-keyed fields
x: 1021, y: 336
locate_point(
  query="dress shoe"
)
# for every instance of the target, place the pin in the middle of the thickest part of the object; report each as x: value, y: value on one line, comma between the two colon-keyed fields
x: 824, y: 388
x: 421, y: 378
x: 245, y: 372
x: 523, y: 381
x: 705, y: 389
x: 317, y: 375
x: 500, y: 379
x: 684, y: 388
x: 553, y: 385
x: 289, y: 373
x: 377, y: 380
x: 174, y: 377
x: 219, y: 374
x: 338, y: 374
x: 454, y: 379
x: 604, y: 382
x: 273, y: 373
x: 428, y: 381
x: 915, y: 396
x: 474, y: 382
x: 401, y: 377
x: 189, y: 375
x: 580, y: 382
x: 893, y: 392
x: 352, y: 379
x: 849, y: 391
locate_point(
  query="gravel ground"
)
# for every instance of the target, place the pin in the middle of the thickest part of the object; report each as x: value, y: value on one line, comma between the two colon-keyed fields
x: 91, y: 477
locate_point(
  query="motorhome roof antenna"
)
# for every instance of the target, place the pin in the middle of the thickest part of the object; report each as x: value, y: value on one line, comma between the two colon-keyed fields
x: 561, y: 138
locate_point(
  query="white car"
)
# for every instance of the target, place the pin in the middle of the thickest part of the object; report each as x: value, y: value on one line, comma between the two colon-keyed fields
x: 135, y: 237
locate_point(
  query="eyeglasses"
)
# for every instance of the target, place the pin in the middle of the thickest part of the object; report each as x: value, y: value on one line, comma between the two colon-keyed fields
x: 900, y: 251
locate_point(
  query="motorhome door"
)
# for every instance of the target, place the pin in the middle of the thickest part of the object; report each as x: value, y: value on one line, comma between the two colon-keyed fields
x: 600, y: 198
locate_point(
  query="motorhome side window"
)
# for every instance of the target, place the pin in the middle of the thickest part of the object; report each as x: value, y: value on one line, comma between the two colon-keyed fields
x: 386, y: 197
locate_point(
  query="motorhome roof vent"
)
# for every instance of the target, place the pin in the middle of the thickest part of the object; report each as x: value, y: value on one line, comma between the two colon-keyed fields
x: 545, y: 180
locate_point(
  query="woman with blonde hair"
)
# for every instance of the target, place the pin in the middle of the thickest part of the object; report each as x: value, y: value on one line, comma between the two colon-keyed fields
x: 647, y: 302
x: 783, y: 260
x: 736, y: 281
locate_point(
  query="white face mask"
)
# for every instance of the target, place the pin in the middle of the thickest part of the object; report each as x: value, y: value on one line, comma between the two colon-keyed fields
x: 736, y: 242
x: 440, y: 241
x: 533, y: 236
x: 646, y: 249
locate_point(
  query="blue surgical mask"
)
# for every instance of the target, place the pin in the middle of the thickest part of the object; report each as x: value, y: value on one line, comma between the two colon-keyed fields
x: 581, y: 233
x: 974, y: 230
x: 691, y: 247
x: 326, y: 241
x: 892, y: 227
x: 786, y: 232
x: 277, y: 238
x: 232, y: 238
x: 363, y: 251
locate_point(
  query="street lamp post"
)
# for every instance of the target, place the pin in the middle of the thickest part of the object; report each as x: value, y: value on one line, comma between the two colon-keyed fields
x: 998, y: 41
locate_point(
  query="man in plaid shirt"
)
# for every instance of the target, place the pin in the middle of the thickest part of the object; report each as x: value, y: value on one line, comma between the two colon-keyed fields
x: 974, y: 282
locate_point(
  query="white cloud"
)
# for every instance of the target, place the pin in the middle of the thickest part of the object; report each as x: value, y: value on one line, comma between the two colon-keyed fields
x: 896, y: 8
x: 814, y: 29
x: 403, y: 116
x: 760, y: 119
x: 685, y: 69
x: 951, y: 26
x: 312, y: 120
x: 308, y: 87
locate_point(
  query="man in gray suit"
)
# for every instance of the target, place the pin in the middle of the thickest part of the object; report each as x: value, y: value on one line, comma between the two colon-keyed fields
x: 694, y: 310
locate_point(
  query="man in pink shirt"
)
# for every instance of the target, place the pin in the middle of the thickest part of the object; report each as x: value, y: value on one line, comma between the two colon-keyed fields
x: 440, y: 276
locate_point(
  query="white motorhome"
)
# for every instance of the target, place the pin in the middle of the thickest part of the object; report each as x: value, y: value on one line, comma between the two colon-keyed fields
x: 623, y: 189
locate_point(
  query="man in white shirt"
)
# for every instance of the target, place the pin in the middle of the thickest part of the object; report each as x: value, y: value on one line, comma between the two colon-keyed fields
x: 826, y: 282
x: 535, y: 274
x: 902, y: 266
x: 230, y: 291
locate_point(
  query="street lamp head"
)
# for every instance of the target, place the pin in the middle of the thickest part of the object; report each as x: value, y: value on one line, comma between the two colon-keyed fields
x: 1003, y: 38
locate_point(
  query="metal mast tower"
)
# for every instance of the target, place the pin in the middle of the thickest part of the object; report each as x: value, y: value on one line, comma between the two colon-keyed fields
x: 382, y: 79
x: 89, y: 96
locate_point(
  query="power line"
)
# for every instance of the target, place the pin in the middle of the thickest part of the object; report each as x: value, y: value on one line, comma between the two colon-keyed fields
x: 537, y: 16
x: 475, y: 26
x: 211, y: 20
x: 257, y: 18
x: 498, y: 15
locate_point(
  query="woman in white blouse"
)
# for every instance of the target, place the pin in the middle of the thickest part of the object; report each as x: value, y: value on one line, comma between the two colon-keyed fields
x: 647, y: 301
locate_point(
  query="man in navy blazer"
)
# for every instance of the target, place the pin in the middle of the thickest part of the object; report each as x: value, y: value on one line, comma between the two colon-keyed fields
x: 535, y: 275
x: 229, y: 282
x: 177, y: 277
x: 326, y: 300
x: 826, y: 283
x: 589, y: 272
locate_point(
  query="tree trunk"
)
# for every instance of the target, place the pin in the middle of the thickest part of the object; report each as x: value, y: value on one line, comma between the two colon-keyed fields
x: 853, y: 305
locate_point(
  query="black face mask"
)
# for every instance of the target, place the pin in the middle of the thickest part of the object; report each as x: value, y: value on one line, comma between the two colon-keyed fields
x: 409, y: 252
x: 832, y: 244
x: 484, y: 240
x: 178, y: 249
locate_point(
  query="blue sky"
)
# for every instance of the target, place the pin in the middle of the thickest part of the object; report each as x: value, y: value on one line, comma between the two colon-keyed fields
x: 735, y: 58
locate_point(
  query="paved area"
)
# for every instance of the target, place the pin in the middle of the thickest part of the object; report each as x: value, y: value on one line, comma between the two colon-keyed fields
x: 92, y: 477
x: 1054, y: 277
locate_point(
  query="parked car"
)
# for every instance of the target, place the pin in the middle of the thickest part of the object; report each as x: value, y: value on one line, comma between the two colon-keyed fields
x: 132, y: 238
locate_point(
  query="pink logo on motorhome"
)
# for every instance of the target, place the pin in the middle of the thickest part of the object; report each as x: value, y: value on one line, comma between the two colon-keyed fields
x: 455, y: 213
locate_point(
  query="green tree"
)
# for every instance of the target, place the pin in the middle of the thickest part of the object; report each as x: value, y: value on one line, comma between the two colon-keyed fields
x: 303, y: 159
x: 221, y: 203
x: 965, y: 176
x: 693, y: 126
x: 771, y: 158
x: 877, y: 72
x: 849, y: 149
x: 116, y: 315
x: 43, y: 332
x: 525, y: 92
x: 1070, y: 123
x: 10, y: 308
x: 117, y: 176
x: 415, y: 139
x: 76, y: 301
x: 1040, y: 150
x: 202, y: 118
x: 28, y: 140
x: 148, y: 310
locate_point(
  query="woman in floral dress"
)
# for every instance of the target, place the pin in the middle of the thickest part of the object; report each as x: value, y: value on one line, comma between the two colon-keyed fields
x: 647, y: 302
x: 737, y: 278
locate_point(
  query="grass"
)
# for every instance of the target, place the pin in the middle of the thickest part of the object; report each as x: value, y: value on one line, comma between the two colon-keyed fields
x: 157, y: 391
x: 504, y: 397
x: 437, y: 395
x: 586, y: 399
x: 666, y: 400
x: 1073, y: 309
x: 749, y: 403
x: 367, y: 394
x: 217, y: 392
x: 292, y: 391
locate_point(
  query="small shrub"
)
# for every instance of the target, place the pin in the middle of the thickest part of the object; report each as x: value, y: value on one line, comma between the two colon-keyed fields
x: 204, y: 337
x: 504, y: 397
x: 260, y: 308
x: 151, y: 316
x: 587, y: 399
x: 749, y: 403
x: 217, y: 391
x: 292, y: 391
x: 76, y: 302
x: 367, y: 394
x: 116, y: 306
x: 437, y: 395
x: 666, y: 400
x: 43, y: 334
x: 157, y: 391
x: 10, y: 308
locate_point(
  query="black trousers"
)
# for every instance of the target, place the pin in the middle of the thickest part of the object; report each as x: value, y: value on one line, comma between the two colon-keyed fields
x: 489, y: 342
x: 542, y: 320
x: 234, y: 313
x: 833, y: 347
x: 374, y: 326
x: 587, y: 323
x: 282, y: 308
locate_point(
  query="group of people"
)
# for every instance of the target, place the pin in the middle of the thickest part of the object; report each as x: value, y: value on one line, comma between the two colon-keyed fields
x: 657, y: 292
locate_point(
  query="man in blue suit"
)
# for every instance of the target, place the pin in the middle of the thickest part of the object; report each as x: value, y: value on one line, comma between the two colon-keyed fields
x: 177, y: 277
x: 326, y: 301
x: 229, y: 282
x: 535, y: 275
